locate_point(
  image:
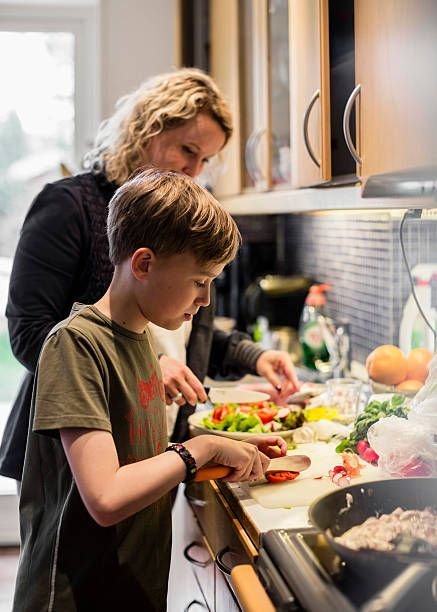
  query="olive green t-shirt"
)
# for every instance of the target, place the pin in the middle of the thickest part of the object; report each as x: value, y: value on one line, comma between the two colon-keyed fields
x: 94, y: 374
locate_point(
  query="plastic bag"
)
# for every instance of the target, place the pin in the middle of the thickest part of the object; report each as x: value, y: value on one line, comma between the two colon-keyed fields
x: 423, y: 407
x: 405, y: 448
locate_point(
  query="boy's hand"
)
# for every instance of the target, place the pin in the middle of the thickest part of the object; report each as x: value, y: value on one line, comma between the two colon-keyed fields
x: 278, y: 369
x: 181, y: 385
x: 272, y: 446
x: 247, y: 461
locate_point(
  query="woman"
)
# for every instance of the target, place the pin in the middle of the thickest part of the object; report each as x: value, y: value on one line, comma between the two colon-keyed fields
x: 176, y: 121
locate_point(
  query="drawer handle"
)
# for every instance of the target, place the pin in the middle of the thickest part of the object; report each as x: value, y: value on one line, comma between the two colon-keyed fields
x: 191, y: 559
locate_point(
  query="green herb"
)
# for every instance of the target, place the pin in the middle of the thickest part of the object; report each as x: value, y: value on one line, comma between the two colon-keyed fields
x: 375, y: 410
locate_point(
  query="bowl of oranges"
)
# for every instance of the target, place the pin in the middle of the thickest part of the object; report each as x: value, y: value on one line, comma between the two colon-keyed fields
x: 390, y: 370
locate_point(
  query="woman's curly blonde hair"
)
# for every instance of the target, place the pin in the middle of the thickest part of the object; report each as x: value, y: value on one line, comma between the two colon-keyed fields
x: 163, y: 102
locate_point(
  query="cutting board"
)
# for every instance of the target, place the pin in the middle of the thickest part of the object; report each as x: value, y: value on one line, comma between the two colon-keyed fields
x: 311, y: 483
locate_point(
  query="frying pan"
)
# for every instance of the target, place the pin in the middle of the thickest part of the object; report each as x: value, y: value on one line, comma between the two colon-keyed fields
x: 336, y: 512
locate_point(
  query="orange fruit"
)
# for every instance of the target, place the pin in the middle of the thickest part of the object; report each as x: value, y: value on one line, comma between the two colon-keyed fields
x: 409, y: 385
x: 418, y: 360
x: 387, y: 364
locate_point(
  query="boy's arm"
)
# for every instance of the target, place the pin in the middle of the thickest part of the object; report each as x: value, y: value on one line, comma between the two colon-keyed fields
x: 112, y: 493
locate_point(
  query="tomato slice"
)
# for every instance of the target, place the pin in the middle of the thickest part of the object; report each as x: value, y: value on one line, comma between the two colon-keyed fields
x: 220, y: 412
x: 281, y: 476
x: 267, y: 414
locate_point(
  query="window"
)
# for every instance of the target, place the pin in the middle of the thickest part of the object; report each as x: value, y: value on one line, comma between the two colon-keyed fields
x: 48, y: 117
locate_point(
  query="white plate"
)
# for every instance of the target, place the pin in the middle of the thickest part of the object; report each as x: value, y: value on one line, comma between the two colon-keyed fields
x: 236, y: 395
x: 195, y: 420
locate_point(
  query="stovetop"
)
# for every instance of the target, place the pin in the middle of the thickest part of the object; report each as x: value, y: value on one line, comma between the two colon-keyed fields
x: 300, y: 571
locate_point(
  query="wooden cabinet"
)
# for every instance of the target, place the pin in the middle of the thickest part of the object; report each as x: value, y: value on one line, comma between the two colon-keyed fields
x: 324, y: 91
x: 225, y: 540
x: 251, y: 65
x: 277, y: 66
x: 395, y: 59
x: 305, y: 93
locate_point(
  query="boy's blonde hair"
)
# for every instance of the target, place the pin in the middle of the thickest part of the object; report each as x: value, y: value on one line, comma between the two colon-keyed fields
x: 161, y: 103
x: 169, y: 213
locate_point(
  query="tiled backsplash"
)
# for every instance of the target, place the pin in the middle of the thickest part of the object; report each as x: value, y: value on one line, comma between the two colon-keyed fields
x: 359, y: 255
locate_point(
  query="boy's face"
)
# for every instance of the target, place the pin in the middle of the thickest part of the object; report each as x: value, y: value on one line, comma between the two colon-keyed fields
x: 177, y: 286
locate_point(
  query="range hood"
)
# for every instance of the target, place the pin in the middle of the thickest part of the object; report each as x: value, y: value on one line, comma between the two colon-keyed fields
x: 418, y: 182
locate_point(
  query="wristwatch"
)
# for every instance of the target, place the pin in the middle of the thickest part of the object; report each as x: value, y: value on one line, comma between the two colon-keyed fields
x: 187, y: 458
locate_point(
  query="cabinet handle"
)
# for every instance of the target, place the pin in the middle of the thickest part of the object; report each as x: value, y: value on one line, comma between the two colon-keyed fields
x: 220, y: 563
x: 346, y: 124
x: 191, y: 559
x: 195, y: 501
x: 250, y: 156
x: 195, y: 602
x: 306, y: 119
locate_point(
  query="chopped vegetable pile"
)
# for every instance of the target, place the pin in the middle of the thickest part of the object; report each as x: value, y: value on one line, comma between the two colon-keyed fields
x: 375, y: 410
x: 258, y: 417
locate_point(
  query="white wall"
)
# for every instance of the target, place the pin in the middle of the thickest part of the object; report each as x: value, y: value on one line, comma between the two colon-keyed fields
x: 139, y: 38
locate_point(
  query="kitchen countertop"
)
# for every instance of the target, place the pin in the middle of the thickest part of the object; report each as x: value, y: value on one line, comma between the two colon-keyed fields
x: 256, y: 518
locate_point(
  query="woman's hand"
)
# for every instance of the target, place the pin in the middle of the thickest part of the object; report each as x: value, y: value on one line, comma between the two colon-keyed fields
x: 272, y: 446
x: 278, y: 369
x: 181, y: 384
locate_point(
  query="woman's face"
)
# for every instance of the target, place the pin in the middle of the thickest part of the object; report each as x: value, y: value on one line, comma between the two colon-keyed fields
x: 186, y: 149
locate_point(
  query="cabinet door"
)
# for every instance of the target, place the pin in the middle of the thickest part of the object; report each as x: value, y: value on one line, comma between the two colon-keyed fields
x: 254, y: 116
x: 305, y: 92
x: 396, y: 55
x: 225, y: 69
x: 279, y: 87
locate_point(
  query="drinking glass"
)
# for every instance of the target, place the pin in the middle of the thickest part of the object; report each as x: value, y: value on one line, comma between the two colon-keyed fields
x: 344, y: 395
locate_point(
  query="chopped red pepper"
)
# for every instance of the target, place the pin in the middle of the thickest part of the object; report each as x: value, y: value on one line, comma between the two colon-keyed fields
x: 281, y: 476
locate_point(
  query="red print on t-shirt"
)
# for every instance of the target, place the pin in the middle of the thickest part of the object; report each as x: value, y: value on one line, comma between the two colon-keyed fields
x: 149, y: 390
x: 147, y: 423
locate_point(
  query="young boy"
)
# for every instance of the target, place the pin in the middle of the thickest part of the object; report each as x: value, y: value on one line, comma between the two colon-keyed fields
x: 94, y: 506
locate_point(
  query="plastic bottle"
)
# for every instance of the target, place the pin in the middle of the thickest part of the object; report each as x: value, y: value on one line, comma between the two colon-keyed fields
x: 310, y: 332
x: 413, y: 331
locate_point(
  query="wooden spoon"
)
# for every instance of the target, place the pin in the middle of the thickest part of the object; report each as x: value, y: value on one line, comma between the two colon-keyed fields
x: 290, y: 463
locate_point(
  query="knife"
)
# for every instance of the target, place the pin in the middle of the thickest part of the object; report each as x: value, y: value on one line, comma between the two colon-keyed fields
x: 290, y: 463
